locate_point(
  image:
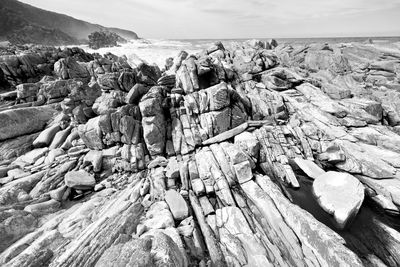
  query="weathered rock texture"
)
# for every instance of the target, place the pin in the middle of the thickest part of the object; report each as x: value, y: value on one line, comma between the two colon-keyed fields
x: 205, y: 163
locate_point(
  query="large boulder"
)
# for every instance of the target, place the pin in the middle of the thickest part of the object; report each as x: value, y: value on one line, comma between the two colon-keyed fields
x: 27, y: 90
x: 91, y: 133
x: 340, y: 194
x: 23, y: 121
x: 109, y: 81
x: 68, y: 68
x: 148, y: 74
x: 153, y: 121
x: 135, y: 93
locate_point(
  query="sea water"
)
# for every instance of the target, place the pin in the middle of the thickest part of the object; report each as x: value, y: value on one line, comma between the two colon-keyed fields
x: 156, y: 51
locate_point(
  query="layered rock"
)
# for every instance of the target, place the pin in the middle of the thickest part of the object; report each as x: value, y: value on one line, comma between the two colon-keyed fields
x: 206, y: 162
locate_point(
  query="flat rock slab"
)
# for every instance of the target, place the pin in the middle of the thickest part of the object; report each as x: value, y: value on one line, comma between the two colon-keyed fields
x: 22, y: 121
x: 308, y: 167
x: 177, y: 205
x: 79, y: 179
x: 339, y: 194
x: 33, y: 155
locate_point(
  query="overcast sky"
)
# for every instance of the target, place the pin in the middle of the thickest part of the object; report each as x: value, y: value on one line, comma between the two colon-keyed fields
x: 180, y: 19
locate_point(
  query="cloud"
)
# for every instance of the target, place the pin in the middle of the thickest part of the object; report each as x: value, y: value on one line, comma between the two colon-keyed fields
x: 227, y: 18
x: 292, y: 10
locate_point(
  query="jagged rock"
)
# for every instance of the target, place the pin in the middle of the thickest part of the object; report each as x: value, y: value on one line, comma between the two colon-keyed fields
x: 147, y: 74
x: 27, y: 90
x: 68, y: 68
x: 95, y: 158
x: 339, y: 194
x: 126, y: 80
x: 108, y: 102
x: 153, y: 120
x: 177, y: 205
x: 109, y: 81
x: 79, y: 180
x: 248, y: 143
x: 91, y: 134
x: 24, y: 121
x: 202, y: 131
x: 135, y: 93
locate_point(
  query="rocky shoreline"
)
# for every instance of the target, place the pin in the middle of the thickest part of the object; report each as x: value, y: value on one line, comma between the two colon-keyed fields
x: 254, y: 155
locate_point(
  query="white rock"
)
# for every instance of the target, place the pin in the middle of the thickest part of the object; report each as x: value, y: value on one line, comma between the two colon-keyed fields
x: 339, y: 194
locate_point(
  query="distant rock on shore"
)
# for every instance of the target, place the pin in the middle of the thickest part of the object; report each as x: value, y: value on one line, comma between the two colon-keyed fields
x: 104, y: 39
x: 257, y: 155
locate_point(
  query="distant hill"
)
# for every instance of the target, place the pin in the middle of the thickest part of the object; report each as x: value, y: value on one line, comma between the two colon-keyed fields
x: 23, y: 23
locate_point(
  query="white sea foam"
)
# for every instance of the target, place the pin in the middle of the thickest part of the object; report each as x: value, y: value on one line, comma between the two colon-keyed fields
x: 150, y: 51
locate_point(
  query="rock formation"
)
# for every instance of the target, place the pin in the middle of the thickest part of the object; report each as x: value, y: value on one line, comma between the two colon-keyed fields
x: 256, y: 154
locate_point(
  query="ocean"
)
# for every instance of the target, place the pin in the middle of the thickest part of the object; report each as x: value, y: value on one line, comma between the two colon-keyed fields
x: 156, y: 51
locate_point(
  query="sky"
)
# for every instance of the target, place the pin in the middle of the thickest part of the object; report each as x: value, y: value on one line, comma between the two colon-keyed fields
x: 220, y: 19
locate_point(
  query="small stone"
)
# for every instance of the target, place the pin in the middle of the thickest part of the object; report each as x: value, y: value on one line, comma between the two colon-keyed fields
x: 95, y: 158
x: 99, y: 187
x: 172, y: 169
x: 158, y: 161
x: 177, y: 205
x: 243, y: 171
x: 57, y: 194
x: 79, y: 180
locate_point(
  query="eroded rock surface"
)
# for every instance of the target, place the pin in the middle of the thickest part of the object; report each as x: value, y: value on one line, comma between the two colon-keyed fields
x: 211, y: 162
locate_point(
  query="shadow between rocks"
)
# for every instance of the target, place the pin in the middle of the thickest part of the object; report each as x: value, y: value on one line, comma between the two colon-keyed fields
x: 364, y: 236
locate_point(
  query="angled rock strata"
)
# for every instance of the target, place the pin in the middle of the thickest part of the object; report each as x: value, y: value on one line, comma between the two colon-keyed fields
x: 255, y: 154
